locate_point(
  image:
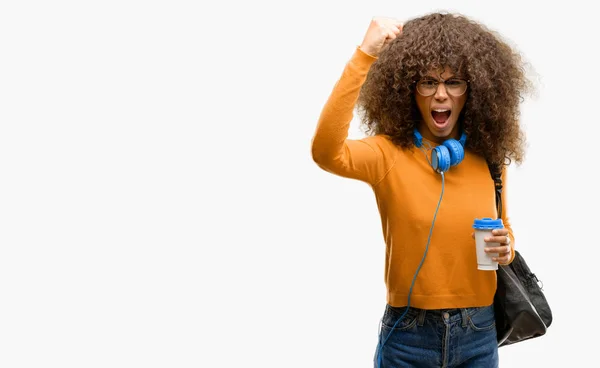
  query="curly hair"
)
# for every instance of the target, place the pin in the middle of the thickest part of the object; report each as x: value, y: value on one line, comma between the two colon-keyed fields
x: 495, y: 71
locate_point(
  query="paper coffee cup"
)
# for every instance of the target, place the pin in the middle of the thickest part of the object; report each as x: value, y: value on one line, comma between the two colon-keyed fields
x: 483, y: 229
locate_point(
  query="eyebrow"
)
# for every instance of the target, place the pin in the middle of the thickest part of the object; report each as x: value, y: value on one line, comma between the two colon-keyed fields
x: 453, y: 76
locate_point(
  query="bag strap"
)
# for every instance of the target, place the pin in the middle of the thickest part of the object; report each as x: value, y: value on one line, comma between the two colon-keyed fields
x: 496, y: 172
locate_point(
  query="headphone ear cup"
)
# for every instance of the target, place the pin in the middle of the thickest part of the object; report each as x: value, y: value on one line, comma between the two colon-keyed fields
x: 456, y: 150
x: 440, y: 159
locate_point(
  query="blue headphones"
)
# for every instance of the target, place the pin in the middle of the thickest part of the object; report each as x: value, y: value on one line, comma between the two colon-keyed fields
x: 450, y: 153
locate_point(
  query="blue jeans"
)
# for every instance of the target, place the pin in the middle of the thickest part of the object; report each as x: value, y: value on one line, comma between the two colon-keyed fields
x: 448, y: 338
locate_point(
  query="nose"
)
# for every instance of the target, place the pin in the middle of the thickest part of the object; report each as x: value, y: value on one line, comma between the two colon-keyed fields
x: 441, y: 93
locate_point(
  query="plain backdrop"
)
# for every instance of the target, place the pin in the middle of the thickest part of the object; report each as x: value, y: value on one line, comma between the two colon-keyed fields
x: 159, y: 206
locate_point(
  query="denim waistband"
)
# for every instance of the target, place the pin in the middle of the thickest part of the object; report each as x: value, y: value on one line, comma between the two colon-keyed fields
x: 450, y: 315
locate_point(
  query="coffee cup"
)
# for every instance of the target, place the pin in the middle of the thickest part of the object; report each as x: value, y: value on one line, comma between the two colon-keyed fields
x: 483, y: 229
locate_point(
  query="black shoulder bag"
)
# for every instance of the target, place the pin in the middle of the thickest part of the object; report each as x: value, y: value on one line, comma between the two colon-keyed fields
x: 522, y: 311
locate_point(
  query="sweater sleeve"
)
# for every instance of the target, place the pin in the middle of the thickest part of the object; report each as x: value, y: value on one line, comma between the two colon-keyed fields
x: 366, y: 159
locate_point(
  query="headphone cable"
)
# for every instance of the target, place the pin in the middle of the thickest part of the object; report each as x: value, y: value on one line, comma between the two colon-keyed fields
x: 381, y: 344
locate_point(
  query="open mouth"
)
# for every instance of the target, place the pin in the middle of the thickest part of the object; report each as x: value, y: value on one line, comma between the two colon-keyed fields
x: 441, y: 116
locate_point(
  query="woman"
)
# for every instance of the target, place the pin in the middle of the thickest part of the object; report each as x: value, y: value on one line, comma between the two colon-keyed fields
x: 440, y: 98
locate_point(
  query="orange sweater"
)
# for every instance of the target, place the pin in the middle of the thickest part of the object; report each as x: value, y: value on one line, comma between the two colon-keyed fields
x: 407, y: 191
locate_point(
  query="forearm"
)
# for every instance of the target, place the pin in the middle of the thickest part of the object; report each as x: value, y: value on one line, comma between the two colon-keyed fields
x: 505, y: 217
x: 329, y: 141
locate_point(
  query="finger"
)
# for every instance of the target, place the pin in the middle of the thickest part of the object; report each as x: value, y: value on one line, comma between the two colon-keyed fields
x: 496, y: 239
x: 397, y: 23
x: 502, y: 239
x: 500, y: 250
x: 380, y: 26
x: 500, y: 232
x: 502, y: 260
x: 389, y: 38
x: 396, y: 30
x: 393, y: 24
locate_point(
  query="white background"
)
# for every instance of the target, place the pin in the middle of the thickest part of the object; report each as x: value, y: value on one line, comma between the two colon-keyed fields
x: 159, y: 206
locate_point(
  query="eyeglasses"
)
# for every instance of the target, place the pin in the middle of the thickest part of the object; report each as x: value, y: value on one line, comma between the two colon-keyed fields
x: 454, y: 86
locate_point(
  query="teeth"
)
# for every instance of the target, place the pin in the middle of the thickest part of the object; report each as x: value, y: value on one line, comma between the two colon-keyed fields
x: 440, y: 110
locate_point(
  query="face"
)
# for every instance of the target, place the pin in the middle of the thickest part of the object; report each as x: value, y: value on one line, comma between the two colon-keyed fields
x: 440, y: 111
